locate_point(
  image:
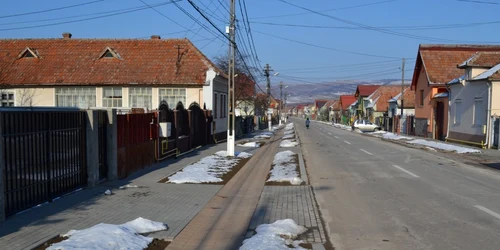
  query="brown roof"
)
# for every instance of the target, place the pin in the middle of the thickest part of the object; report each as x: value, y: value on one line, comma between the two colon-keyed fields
x: 482, y: 59
x: 440, y: 61
x: 382, y: 96
x: 409, y: 98
x: 365, y: 90
x: 329, y: 103
x: 346, y: 101
x: 336, y: 105
x: 77, y: 62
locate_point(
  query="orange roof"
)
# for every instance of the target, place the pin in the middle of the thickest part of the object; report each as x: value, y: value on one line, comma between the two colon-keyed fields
x: 346, y: 101
x: 382, y: 96
x: 440, y: 61
x: 483, y: 60
x: 336, y: 105
x: 329, y: 103
x: 365, y: 90
x: 69, y: 61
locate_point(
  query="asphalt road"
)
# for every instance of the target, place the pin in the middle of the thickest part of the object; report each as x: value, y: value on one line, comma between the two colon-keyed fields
x: 375, y: 194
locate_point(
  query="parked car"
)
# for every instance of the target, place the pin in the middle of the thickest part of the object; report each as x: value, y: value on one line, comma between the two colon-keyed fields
x: 365, y: 126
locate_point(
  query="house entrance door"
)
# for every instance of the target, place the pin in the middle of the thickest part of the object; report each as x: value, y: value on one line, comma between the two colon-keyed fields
x: 439, y: 135
x: 496, y: 132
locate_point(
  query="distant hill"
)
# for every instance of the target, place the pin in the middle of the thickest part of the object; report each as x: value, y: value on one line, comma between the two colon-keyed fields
x: 307, y: 93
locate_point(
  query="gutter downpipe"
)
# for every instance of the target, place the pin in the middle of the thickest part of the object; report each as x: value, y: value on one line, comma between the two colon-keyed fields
x: 449, y: 110
x: 488, y: 122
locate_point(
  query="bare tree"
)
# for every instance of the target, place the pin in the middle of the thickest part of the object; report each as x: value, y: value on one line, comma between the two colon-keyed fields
x: 25, y: 97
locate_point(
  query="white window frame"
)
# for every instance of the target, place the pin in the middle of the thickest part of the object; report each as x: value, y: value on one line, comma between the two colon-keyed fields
x: 478, y: 104
x: 173, y: 96
x: 69, y: 96
x: 7, y: 102
x: 458, y: 114
x: 134, y: 93
x: 116, y: 101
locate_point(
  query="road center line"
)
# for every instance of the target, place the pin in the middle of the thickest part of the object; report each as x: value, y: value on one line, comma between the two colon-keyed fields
x: 406, y: 171
x: 488, y: 211
x: 329, y: 133
x: 336, y: 137
x: 365, y: 151
x: 347, y: 142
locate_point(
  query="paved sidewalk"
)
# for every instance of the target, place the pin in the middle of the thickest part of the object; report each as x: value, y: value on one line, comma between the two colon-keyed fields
x: 174, y: 204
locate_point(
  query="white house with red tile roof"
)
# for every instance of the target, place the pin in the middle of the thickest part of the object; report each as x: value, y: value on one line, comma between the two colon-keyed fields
x: 111, y: 73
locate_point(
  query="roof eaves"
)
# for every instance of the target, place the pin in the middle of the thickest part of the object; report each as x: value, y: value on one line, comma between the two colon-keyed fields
x: 488, y: 73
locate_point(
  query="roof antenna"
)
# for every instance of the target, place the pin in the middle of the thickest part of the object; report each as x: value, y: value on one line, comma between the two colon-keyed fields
x: 179, y: 58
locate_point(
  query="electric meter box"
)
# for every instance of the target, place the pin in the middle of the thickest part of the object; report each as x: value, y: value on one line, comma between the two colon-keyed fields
x: 165, y: 129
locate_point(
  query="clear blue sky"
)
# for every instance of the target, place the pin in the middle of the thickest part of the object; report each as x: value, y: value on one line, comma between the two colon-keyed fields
x: 296, y: 62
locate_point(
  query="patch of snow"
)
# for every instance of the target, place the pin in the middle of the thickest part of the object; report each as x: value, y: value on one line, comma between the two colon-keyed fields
x: 289, y: 126
x: 141, y: 225
x: 379, y: 132
x: 342, y: 126
x: 284, y: 169
x: 129, y: 186
x: 276, y: 236
x: 431, y: 149
x: 107, y: 192
x: 108, y: 236
x: 243, y: 155
x: 288, y: 144
x: 391, y: 136
x: 209, y: 169
x: 288, y: 137
x: 262, y: 137
x: 289, y: 132
x: 444, y: 146
x: 250, y: 145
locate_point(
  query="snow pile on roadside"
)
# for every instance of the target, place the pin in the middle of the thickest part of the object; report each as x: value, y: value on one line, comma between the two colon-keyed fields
x: 278, y: 235
x: 284, y: 169
x: 444, y: 146
x: 209, y: 169
x: 379, y: 132
x: 109, y: 236
x: 391, y: 136
x: 252, y: 144
x: 342, y: 126
x: 264, y: 135
x: 289, y: 132
x: 289, y: 126
x: 288, y: 144
x: 288, y: 137
x: 276, y: 128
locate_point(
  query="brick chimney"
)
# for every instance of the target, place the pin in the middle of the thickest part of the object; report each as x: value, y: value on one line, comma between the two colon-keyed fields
x: 155, y: 37
x: 67, y: 35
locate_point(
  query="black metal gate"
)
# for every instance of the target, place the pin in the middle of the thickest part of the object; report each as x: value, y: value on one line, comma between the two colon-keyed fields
x: 44, y: 154
x: 496, y: 132
x: 198, y: 126
x: 102, y: 141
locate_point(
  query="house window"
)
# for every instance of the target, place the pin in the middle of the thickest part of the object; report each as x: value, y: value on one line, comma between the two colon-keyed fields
x: 112, y: 97
x: 215, y: 106
x: 7, y: 99
x: 421, y: 97
x: 140, y: 97
x: 75, y: 97
x: 479, y: 111
x: 458, y: 111
x: 173, y: 96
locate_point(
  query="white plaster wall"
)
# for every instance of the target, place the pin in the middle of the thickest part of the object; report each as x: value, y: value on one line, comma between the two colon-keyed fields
x: 466, y: 93
x: 45, y: 97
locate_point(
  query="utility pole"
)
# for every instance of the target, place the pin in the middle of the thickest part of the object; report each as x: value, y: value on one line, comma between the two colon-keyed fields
x: 402, y: 95
x: 402, y: 85
x: 232, y: 47
x: 286, y: 113
x: 268, y: 69
x: 281, y: 101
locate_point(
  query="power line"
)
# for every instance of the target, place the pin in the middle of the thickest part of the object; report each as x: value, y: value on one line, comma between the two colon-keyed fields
x: 329, y: 10
x: 84, y: 19
x: 249, y: 31
x: 341, y: 65
x: 327, y: 48
x: 379, y: 29
x: 420, y: 27
x: 49, y: 10
x: 208, y: 20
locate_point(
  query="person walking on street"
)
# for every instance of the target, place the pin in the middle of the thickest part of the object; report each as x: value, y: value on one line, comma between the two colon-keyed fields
x: 307, y: 123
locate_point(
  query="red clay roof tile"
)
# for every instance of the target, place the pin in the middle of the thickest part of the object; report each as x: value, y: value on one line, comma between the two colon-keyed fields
x: 346, y: 101
x: 77, y: 62
x: 365, y: 90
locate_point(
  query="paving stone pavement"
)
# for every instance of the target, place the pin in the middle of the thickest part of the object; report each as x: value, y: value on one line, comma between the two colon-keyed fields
x: 174, y: 204
x: 289, y: 202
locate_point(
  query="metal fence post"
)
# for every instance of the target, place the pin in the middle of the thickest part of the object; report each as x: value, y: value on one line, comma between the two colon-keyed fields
x: 2, y: 170
x: 92, y: 147
x: 112, y: 144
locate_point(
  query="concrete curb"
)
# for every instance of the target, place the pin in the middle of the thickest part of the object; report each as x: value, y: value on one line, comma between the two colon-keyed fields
x: 302, y: 165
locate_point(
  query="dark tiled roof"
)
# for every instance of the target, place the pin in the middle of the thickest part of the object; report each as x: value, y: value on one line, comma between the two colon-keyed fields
x: 77, y: 62
x: 365, y: 90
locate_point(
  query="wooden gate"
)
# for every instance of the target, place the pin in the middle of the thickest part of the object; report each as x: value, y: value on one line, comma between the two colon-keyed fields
x: 198, y: 126
x: 439, y: 126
